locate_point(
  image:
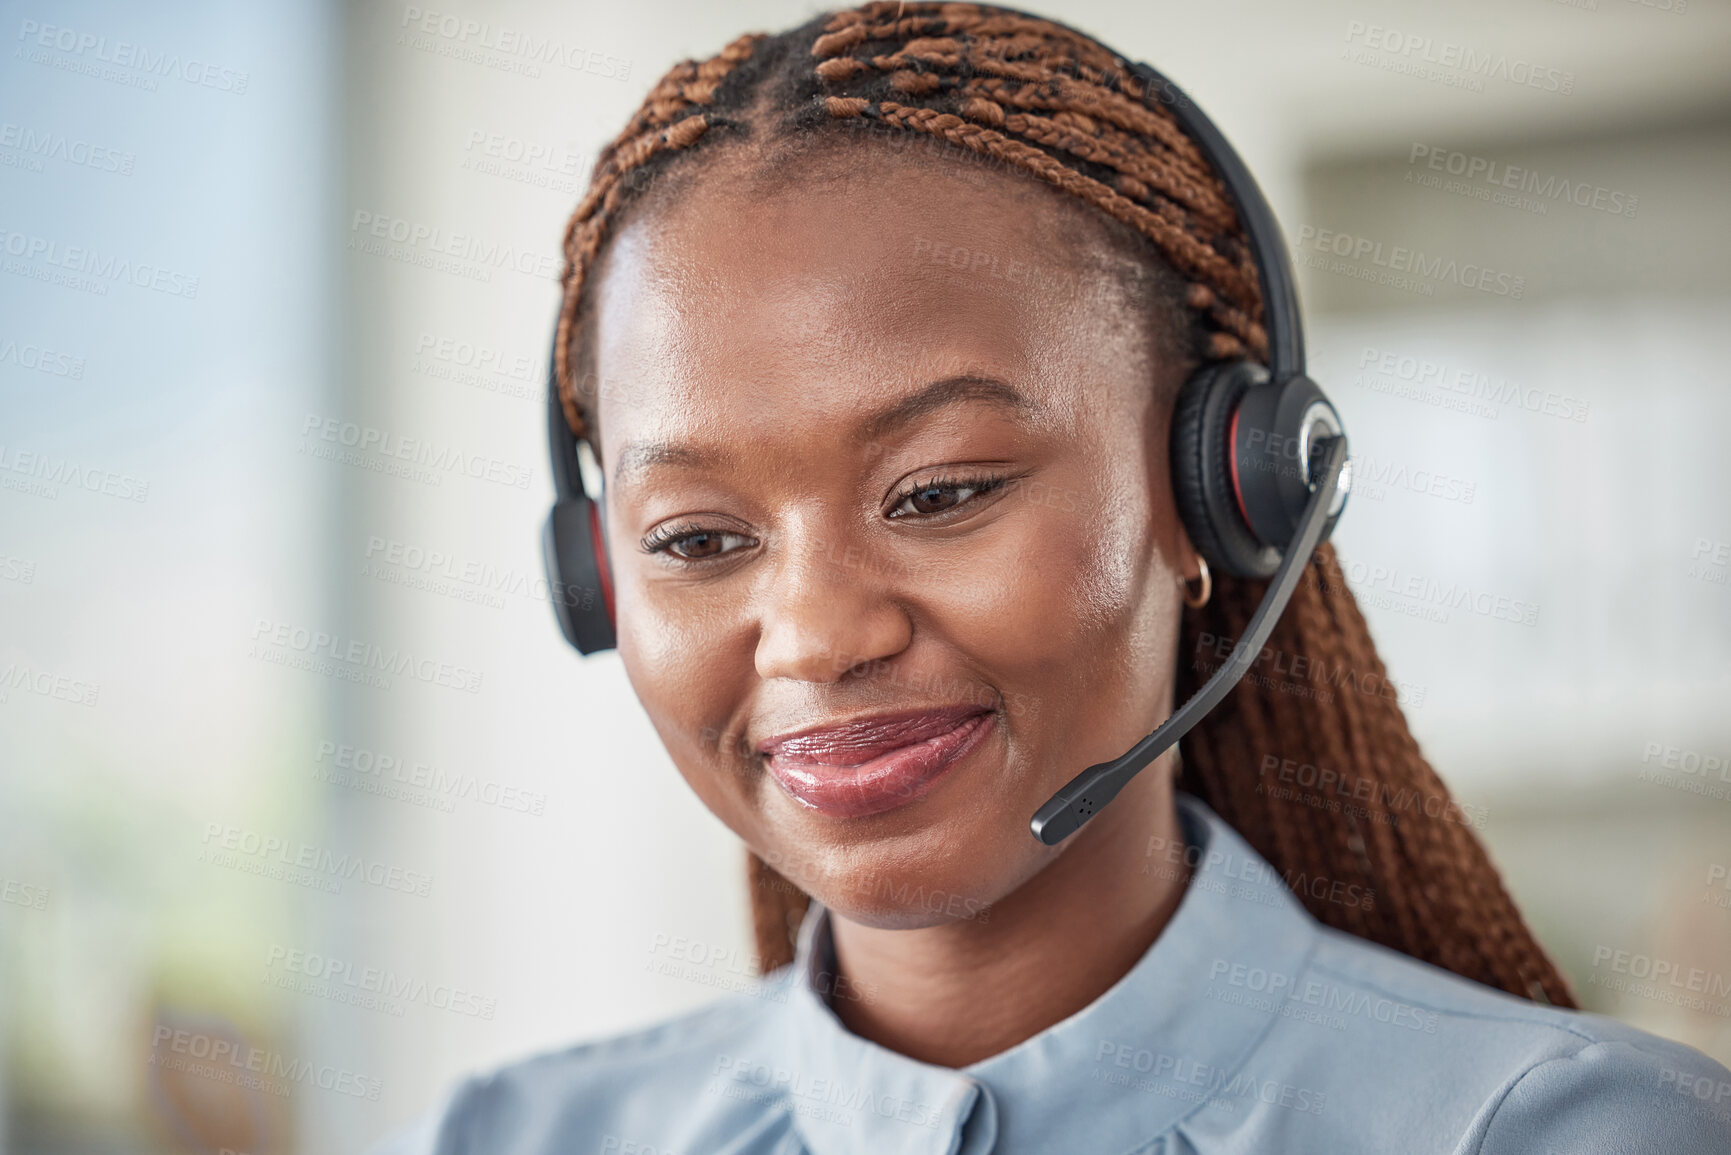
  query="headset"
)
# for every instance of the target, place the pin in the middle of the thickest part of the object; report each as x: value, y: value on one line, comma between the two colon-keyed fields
x: 1260, y: 475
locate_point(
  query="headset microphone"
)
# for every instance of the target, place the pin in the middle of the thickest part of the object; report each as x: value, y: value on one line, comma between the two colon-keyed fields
x: 1089, y: 791
x: 1259, y: 470
x: 1260, y: 474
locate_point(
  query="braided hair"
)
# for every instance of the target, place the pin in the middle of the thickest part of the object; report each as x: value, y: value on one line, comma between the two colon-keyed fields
x: 1310, y: 757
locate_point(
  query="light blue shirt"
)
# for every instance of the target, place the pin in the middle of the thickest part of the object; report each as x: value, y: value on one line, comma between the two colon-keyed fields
x: 1247, y: 1027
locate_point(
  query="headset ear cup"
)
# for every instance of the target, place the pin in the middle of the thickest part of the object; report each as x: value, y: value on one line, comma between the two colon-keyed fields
x: 578, y: 582
x: 1202, y: 483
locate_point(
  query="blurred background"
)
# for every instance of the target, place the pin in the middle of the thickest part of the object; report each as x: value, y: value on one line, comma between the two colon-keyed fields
x: 291, y: 755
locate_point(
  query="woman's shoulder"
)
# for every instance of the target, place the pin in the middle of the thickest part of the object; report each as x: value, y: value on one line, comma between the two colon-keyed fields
x: 1524, y: 1076
x: 609, y: 1092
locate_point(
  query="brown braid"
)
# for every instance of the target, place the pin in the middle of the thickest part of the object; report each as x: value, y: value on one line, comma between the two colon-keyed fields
x: 1364, y: 814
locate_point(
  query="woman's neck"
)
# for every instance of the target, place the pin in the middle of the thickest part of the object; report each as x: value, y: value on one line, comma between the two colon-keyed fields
x: 963, y: 991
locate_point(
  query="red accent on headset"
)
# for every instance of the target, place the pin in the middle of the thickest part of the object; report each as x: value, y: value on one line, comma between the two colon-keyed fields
x: 601, y: 560
x: 1232, y: 464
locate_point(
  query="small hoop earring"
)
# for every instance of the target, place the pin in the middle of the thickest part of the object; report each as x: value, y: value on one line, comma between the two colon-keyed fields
x: 1197, y: 600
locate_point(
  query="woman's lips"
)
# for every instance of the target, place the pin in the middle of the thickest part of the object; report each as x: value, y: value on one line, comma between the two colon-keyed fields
x: 874, y: 764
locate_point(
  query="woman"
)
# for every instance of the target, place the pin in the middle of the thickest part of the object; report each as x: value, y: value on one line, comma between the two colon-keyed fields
x: 875, y: 329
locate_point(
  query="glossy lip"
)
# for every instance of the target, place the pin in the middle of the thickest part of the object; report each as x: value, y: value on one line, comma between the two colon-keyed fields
x: 877, y: 763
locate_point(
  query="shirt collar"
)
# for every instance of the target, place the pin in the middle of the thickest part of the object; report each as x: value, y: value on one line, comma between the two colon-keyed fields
x: 1122, y: 1070
x: 859, y: 1096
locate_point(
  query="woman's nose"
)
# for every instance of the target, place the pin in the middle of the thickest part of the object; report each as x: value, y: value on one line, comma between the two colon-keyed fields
x: 828, y: 607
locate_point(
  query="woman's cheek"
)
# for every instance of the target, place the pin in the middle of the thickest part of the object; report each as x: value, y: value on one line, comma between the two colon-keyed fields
x: 706, y: 752
x: 1053, y: 587
x: 683, y: 671
x: 668, y: 631
x: 1107, y: 580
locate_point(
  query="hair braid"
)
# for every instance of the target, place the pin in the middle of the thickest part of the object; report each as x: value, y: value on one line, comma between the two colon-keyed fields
x: 669, y: 121
x: 1050, y: 103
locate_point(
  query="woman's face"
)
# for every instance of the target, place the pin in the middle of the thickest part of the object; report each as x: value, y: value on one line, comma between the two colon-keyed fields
x: 891, y: 531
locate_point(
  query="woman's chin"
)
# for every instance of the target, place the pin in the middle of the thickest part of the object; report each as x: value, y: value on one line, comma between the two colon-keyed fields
x: 951, y: 867
x: 910, y: 900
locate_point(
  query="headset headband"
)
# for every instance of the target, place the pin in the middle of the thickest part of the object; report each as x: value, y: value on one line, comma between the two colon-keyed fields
x: 561, y: 438
x: 1267, y: 243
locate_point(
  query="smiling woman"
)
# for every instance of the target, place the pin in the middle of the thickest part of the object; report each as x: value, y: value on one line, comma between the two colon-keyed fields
x: 894, y: 548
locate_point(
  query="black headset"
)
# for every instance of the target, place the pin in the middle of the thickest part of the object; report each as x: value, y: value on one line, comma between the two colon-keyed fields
x: 1259, y: 472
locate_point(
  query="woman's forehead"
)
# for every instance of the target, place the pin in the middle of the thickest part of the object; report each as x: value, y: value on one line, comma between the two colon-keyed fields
x: 901, y: 223
x: 834, y: 283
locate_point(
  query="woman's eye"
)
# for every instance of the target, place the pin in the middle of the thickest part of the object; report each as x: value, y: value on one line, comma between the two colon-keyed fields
x: 937, y: 497
x: 697, y: 545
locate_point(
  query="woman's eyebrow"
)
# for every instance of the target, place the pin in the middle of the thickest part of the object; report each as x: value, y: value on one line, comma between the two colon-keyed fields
x: 947, y: 391
x: 637, y: 456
